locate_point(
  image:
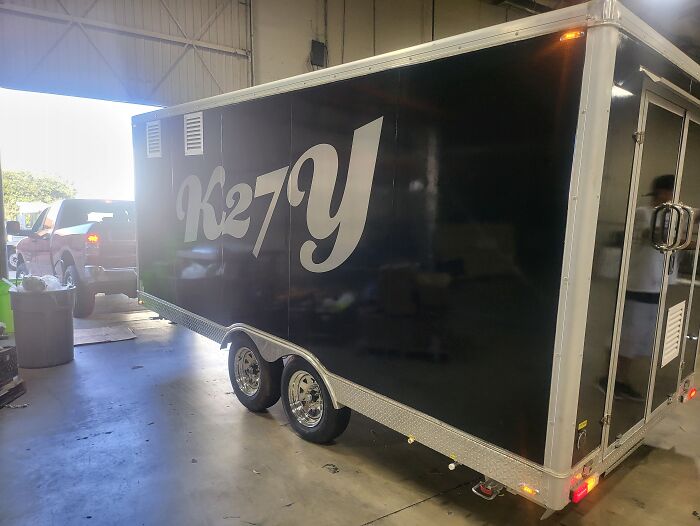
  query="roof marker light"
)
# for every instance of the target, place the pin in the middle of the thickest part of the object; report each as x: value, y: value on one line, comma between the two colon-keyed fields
x: 571, y: 35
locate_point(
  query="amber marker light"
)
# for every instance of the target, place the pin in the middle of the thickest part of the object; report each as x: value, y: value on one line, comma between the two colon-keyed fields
x: 529, y: 490
x: 571, y: 35
x: 93, y: 238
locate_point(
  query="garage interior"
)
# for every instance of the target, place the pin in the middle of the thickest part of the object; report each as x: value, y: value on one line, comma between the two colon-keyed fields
x: 147, y: 430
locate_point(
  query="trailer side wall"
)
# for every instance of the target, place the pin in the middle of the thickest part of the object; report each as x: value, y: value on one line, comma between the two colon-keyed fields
x: 416, y: 241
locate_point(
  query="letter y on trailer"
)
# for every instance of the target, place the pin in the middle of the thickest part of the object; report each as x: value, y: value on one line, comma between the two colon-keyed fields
x: 486, y: 243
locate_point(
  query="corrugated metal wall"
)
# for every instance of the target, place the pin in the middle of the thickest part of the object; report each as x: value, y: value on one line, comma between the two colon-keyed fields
x: 165, y: 52
x: 159, y: 52
x: 355, y: 29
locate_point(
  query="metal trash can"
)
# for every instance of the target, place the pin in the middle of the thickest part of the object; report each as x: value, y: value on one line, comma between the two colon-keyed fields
x: 43, y: 327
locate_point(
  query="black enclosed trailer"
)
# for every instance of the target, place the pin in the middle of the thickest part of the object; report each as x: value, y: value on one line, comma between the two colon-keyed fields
x: 486, y: 243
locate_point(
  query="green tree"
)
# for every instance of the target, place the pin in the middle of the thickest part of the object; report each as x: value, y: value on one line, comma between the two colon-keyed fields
x: 23, y: 186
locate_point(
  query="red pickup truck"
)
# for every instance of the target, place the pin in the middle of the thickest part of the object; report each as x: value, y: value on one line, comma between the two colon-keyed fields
x: 89, y: 243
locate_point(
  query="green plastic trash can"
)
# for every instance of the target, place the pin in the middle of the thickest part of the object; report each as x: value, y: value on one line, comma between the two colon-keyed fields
x: 5, y: 307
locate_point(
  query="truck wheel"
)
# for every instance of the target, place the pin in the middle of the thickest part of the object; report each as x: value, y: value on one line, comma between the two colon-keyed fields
x: 12, y: 260
x: 308, y: 403
x: 84, y: 298
x: 255, y: 381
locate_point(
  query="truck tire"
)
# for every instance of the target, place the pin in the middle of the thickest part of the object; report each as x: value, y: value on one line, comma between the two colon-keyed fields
x: 12, y: 258
x: 84, y: 297
x: 308, y: 404
x: 255, y: 381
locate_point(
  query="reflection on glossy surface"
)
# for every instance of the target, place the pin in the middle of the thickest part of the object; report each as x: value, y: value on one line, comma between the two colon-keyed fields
x: 448, y: 303
x: 691, y: 185
x: 678, y: 291
x: 663, y: 134
x: 610, y: 233
x: 445, y: 299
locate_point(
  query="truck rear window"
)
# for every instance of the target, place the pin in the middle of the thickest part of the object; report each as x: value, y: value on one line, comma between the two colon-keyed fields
x: 80, y: 212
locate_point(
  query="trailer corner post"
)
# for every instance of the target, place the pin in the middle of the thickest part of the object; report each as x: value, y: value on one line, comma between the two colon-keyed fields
x: 584, y: 200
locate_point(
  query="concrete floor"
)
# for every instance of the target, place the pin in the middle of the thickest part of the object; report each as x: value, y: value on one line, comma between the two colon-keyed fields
x: 147, y: 431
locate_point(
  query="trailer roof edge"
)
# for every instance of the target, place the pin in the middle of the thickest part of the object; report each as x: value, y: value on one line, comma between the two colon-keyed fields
x: 521, y: 29
x: 635, y: 26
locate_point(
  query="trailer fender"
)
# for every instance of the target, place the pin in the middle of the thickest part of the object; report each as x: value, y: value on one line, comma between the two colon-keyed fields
x: 272, y: 348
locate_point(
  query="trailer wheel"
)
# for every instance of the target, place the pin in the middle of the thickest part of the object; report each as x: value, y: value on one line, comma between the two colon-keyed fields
x: 255, y: 381
x: 308, y: 403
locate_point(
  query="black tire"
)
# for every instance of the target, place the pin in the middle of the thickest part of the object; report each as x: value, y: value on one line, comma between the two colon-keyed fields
x: 255, y: 381
x: 84, y: 297
x: 22, y: 270
x: 324, y: 425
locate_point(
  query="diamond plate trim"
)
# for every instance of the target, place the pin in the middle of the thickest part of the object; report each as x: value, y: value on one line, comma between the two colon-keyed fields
x: 490, y: 460
x: 198, y: 324
x: 495, y: 463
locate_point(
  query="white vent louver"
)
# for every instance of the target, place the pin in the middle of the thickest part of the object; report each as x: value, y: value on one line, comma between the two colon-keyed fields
x: 153, y: 142
x: 194, y: 134
x: 674, y: 332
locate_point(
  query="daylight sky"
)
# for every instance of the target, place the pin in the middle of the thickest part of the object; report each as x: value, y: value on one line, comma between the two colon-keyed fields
x: 84, y: 141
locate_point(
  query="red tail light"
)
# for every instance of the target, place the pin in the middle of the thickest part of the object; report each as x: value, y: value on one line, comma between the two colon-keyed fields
x: 692, y: 393
x: 584, y: 488
x: 578, y: 494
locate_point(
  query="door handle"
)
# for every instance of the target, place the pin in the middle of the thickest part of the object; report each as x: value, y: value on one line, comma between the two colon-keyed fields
x: 689, y: 214
x: 666, y: 243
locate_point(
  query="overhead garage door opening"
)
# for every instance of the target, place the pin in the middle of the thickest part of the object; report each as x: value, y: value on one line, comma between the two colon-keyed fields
x: 67, y: 173
x: 54, y: 146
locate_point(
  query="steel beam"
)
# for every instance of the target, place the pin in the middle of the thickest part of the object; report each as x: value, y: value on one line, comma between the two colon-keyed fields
x: 117, y: 28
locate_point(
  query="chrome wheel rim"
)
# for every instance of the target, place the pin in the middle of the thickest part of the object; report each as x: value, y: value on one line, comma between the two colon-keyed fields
x: 305, y: 399
x: 13, y: 259
x: 247, y: 371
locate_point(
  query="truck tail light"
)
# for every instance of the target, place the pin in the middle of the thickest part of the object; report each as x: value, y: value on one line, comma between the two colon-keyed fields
x: 584, y: 488
x: 92, y: 245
